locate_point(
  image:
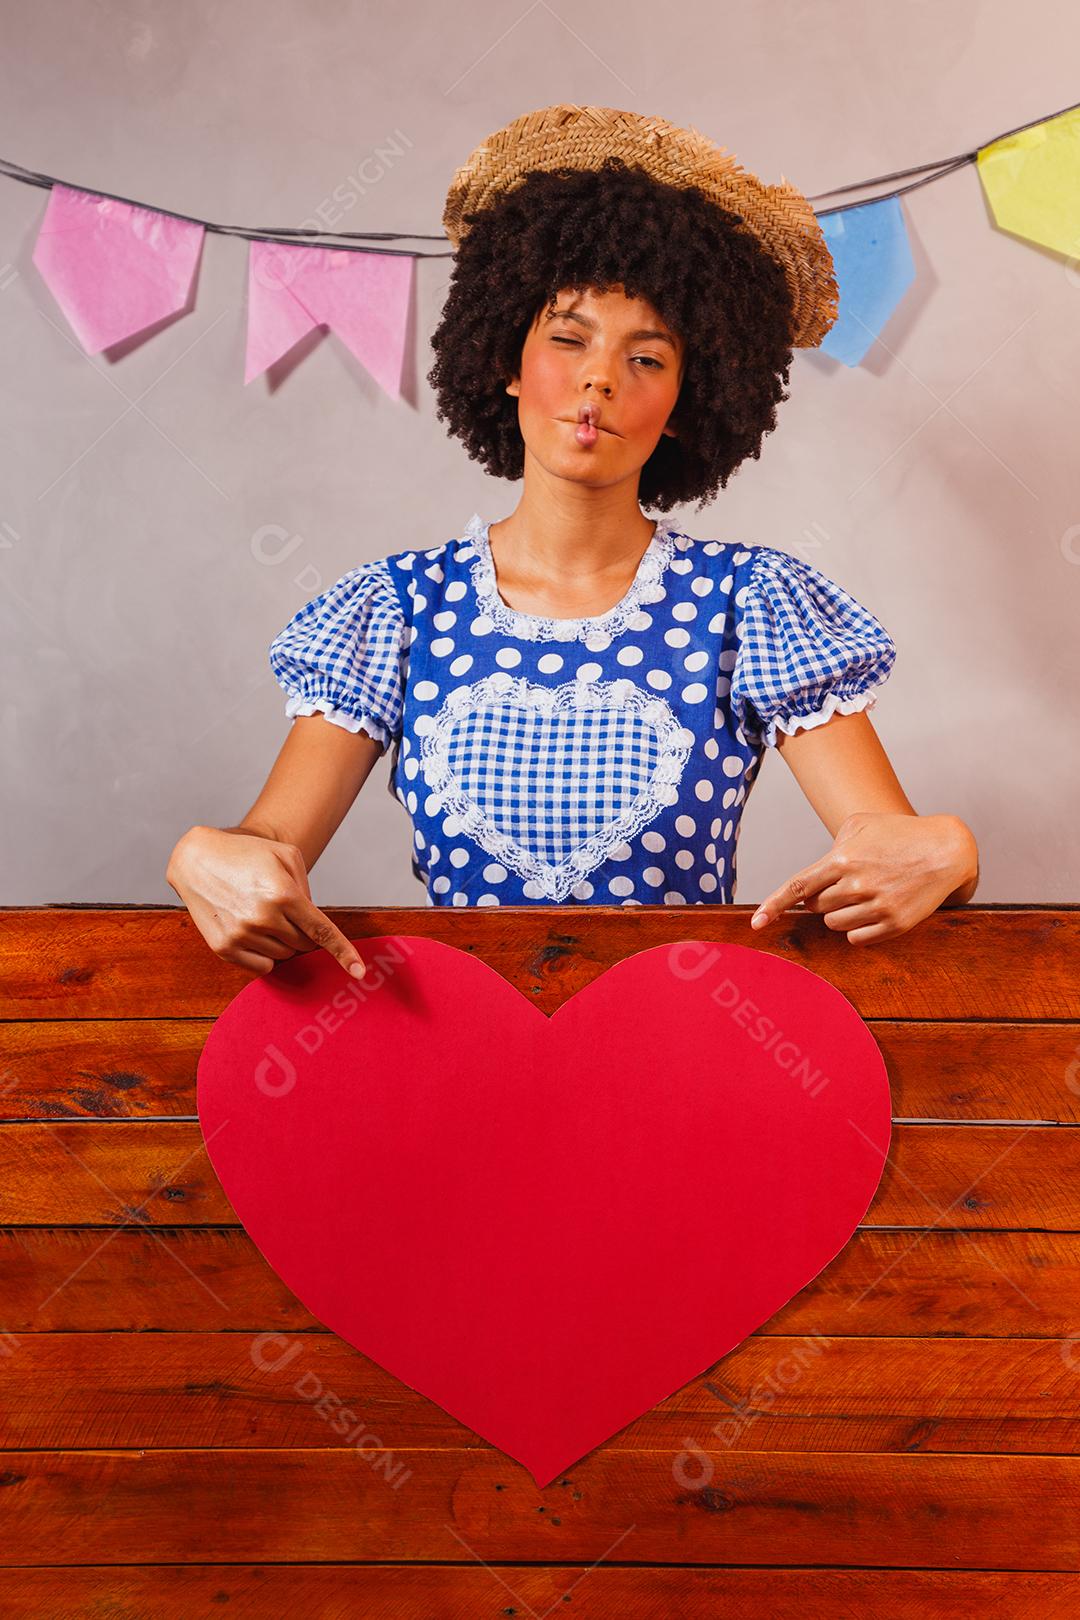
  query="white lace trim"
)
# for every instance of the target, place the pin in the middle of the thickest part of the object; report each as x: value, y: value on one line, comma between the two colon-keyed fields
x: 832, y: 705
x: 338, y: 717
x: 555, y: 882
x: 534, y: 627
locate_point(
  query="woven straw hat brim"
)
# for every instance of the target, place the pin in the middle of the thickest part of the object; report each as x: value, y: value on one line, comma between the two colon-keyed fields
x: 569, y: 136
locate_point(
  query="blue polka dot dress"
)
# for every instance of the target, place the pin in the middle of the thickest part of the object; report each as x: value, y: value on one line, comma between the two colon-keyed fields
x: 596, y: 761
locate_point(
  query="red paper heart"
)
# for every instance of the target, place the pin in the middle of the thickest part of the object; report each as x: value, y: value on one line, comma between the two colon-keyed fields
x: 545, y: 1225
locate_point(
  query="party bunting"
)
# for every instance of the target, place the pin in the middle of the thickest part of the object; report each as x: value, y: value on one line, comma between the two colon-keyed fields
x: 1032, y: 182
x: 874, y: 269
x: 362, y: 297
x: 114, y: 268
x: 117, y: 268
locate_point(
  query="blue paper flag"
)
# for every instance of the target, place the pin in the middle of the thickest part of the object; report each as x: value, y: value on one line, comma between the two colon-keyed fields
x: 874, y: 269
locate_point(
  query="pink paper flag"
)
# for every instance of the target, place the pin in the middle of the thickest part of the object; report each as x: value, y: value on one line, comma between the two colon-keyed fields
x: 113, y: 267
x: 363, y: 297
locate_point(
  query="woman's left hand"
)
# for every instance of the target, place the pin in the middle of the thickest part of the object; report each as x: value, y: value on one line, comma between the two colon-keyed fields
x: 884, y: 873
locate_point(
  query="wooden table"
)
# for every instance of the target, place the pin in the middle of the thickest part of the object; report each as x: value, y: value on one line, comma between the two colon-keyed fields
x: 902, y: 1435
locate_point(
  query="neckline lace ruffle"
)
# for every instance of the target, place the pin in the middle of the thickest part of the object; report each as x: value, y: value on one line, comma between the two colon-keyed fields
x: 645, y: 587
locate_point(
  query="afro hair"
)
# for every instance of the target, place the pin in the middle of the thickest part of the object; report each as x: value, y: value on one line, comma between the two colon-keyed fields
x: 710, y: 280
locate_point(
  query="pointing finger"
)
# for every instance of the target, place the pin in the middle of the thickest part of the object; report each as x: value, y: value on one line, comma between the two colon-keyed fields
x: 800, y: 886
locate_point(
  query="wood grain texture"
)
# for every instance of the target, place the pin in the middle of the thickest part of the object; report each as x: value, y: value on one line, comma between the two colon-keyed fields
x: 974, y: 1177
x: 780, y: 1393
x: 178, y: 1435
x: 230, y: 1505
x: 449, y: 1591
x: 145, y: 1069
x: 994, y: 962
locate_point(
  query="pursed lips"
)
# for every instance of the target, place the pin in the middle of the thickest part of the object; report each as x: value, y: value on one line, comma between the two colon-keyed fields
x: 573, y: 422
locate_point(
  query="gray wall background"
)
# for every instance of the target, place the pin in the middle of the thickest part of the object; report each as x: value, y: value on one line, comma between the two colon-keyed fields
x: 160, y: 521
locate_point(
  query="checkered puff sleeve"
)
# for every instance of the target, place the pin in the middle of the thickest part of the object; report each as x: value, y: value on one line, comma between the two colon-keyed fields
x: 807, y: 649
x: 342, y: 654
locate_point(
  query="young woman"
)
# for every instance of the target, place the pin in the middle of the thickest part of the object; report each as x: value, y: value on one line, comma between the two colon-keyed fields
x: 577, y: 698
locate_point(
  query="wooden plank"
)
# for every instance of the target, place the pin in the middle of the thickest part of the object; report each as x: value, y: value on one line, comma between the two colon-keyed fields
x: 230, y: 1506
x: 807, y: 1394
x: 929, y: 1281
x: 112, y: 1172
x: 145, y: 1068
x: 100, y: 1068
x: 454, y: 1592
x: 67, y: 962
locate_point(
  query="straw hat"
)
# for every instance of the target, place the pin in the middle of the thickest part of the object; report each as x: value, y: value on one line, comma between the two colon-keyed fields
x: 568, y: 136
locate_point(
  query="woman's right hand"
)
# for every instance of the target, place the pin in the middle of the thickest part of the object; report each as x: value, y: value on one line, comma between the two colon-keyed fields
x: 249, y: 898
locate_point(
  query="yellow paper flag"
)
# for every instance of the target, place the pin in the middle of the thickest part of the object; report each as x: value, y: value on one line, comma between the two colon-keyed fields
x: 1032, y: 182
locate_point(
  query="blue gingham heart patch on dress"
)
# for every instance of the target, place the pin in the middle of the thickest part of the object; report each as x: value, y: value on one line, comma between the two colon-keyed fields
x: 549, y: 780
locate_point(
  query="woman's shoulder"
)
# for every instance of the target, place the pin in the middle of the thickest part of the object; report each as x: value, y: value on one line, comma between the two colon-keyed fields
x: 754, y: 568
x: 412, y: 563
x: 730, y: 565
x: 415, y: 559
x: 733, y: 553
